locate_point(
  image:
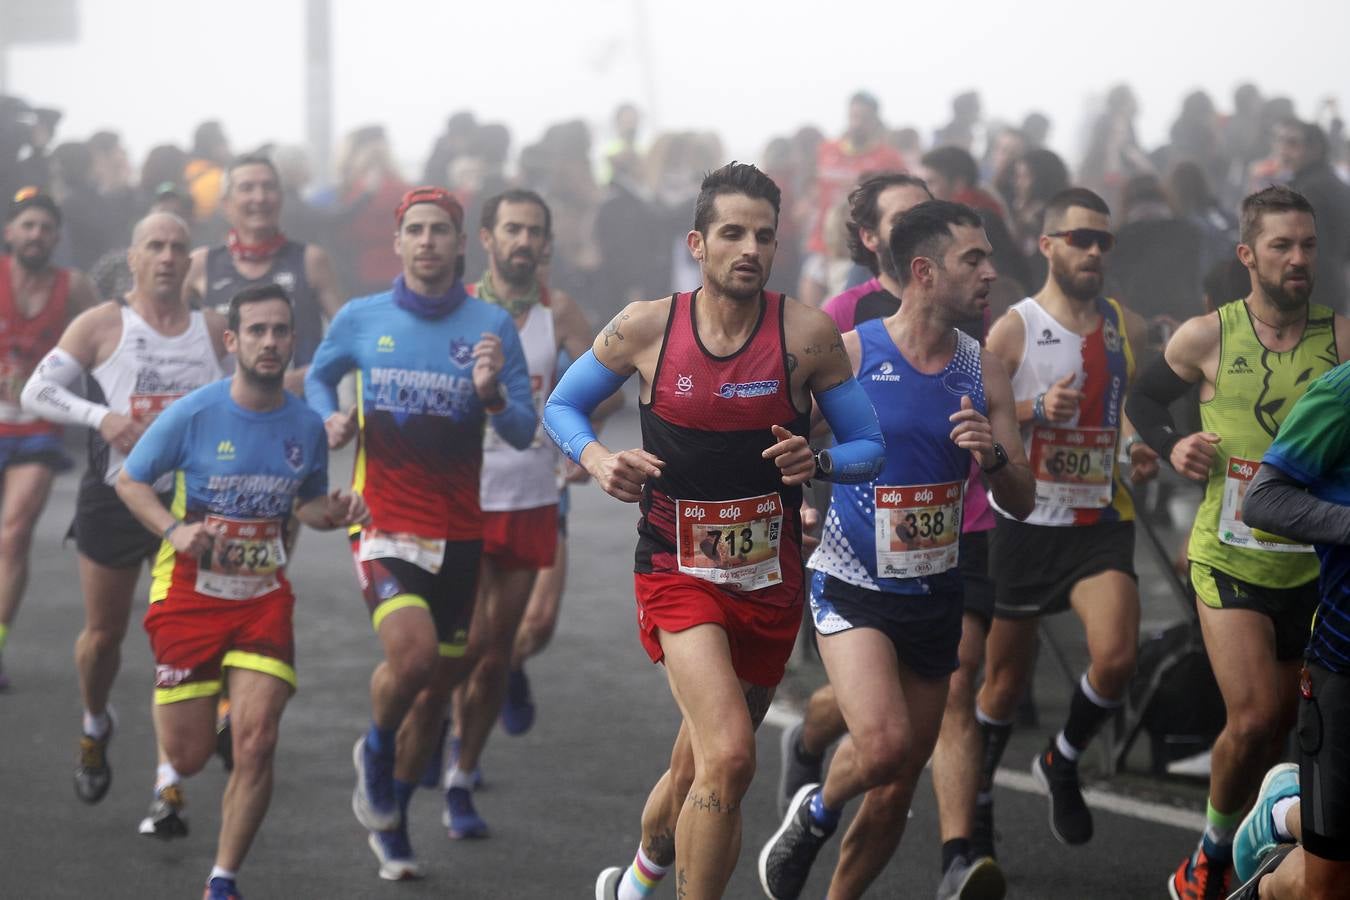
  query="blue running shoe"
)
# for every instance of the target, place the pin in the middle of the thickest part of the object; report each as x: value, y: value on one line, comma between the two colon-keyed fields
x: 461, y: 819
x: 431, y: 777
x: 518, y: 710
x: 222, y: 889
x: 373, y: 799
x: 394, y: 851
x: 1255, y: 837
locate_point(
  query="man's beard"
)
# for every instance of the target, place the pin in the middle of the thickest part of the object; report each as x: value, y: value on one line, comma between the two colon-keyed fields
x: 518, y: 271
x: 258, y: 379
x: 738, y: 292
x: 1076, y: 283
x: 1286, y: 299
x: 34, y: 261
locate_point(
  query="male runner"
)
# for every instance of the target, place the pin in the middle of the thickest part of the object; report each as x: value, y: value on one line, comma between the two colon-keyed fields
x: 1253, y: 359
x: 245, y: 456
x: 519, y: 494
x: 1302, y: 492
x: 726, y: 373
x: 37, y: 299
x: 434, y: 364
x: 256, y: 252
x: 875, y: 205
x: 887, y: 600
x: 1070, y: 354
x: 140, y: 355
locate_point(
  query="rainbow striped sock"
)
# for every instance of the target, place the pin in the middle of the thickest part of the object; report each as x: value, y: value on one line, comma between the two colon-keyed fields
x: 641, y: 878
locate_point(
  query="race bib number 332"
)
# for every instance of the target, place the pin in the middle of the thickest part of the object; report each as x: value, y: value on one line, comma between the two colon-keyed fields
x: 247, y: 556
x: 730, y: 542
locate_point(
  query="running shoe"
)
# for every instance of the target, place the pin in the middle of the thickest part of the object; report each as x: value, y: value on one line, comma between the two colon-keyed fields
x: 1255, y: 837
x: 607, y: 885
x: 222, y: 889
x: 1070, y: 818
x: 1250, y: 888
x: 793, y: 771
x: 93, y: 773
x: 785, y: 862
x: 966, y: 879
x: 224, y: 734
x: 164, y: 820
x: 452, y: 762
x: 373, y: 798
x: 394, y: 851
x: 1197, y: 878
x: 982, y: 834
x: 518, y: 710
x: 460, y: 818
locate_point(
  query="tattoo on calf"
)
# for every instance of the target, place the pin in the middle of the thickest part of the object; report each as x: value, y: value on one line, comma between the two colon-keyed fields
x: 758, y: 698
x: 660, y: 848
x: 612, y: 329
x: 712, y: 803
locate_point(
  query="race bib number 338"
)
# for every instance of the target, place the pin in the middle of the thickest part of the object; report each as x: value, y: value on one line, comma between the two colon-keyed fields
x: 917, y: 529
x: 1073, y: 466
x: 247, y: 556
x: 730, y: 542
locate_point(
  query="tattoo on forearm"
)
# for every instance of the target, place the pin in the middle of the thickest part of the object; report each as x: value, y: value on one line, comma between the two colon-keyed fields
x: 757, y: 698
x: 660, y: 848
x: 713, y: 803
x: 681, y: 884
x: 612, y: 329
x: 791, y: 363
x: 835, y: 346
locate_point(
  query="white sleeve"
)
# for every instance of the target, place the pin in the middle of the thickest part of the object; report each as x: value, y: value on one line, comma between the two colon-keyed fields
x: 48, y: 394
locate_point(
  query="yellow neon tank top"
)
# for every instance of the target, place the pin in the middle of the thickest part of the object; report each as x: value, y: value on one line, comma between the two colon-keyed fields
x: 1254, y: 389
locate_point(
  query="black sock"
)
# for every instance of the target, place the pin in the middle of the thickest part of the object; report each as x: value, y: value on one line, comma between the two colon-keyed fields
x: 952, y: 849
x: 994, y: 736
x: 799, y: 751
x: 1087, y: 714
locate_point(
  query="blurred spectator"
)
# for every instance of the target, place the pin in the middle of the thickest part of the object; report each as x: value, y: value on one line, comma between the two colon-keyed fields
x: 35, y: 166
x: 951, y: 174
x: 89, y: 229
x: 210, y: 153
x: 1242, y: 142
x: 1196, y: 203
x: 1196, y: 138
x: 839, y: 164
x: 1155, y: 267
x: 478, y: 174
x: 1113, y: 154
x: 962, y: 130
x: 1037, y: 177
x: 628, y: 236
x: 452, y: 144
x: 1302, y: 150
x: 369, y: 189
x: 112, y: 176
x: 621, y: 151
x: 1006, y: 146
x: 1035, y: 130
x: 909, y: 142
x: 164, y: 163
x: 300, y: 218
x: 1269, y: 166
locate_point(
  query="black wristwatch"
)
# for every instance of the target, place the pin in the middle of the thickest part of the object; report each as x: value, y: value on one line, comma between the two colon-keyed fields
x: 1000, y: 459
x: 824, y: 465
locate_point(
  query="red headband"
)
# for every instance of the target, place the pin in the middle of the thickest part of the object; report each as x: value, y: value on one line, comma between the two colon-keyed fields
x: 434, y: 195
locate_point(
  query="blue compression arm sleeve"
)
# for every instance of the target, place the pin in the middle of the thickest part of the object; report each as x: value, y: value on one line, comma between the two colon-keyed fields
x: 584, y: 385
x: 859, y: 452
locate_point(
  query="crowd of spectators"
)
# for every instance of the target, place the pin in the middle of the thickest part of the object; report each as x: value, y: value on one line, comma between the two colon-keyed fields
x: 621, y: 203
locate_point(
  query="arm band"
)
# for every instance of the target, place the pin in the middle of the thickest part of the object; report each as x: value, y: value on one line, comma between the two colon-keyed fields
x: 1154, y: 390
x: 859, y: 451
x: 47, y: 393
x: 1278, y: 504
x: 585, y: 384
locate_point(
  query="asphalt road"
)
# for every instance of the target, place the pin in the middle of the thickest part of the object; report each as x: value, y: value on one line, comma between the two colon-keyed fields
x: 563, y: 801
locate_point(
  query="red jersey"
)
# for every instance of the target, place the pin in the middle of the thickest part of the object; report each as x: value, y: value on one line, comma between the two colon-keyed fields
x: 720, y: 511
x: 839, y: 166
x: 24, y: 341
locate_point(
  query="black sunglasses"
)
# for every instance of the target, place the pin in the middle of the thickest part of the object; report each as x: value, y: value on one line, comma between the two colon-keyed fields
x: 1083, y: 238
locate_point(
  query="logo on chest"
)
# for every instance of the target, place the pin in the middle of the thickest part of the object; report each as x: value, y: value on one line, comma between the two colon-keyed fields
x: 1047, y: 338
x: 461, y: 353
x: 885, y: 372
x: 684, y: 386
x: 285, y: 279
x: 295, y: 454
x: 1240, y: 367
x: 748, y: 389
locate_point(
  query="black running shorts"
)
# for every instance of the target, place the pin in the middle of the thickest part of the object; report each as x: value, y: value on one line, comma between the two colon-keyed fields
x: 105, y: 530
x: 1035, y: 567
x: 925, y: 628
x: 1324, y: 762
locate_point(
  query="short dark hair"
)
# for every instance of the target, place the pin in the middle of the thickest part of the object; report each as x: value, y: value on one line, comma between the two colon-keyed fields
x: 953, y: 163
x: 1274, y: 199
x: 1310, y: 135
x: 863, y: 212
x: 257, y: 294
x: 733, y: 178
x: 924, y: 230
x: 248, y: 159
x: 1067, y: 199
x: 492, y: 204
x: 865, y: 98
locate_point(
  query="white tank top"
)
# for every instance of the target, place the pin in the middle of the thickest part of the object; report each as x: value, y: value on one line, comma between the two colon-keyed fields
x: 144, y: 374
x: 525, y: 479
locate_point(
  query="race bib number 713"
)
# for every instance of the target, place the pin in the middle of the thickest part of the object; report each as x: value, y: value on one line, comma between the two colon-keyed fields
x: 730, y: 542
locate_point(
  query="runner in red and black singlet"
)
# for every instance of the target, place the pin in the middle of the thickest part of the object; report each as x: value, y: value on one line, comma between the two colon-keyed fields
x: 726, y: 374
x: 704, y: 406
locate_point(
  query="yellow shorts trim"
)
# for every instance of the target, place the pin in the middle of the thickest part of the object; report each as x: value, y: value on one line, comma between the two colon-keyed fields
x: 193, y: 691
x: 256, y: 662
x: 394, y: 604
x: 453, y: 651
x: 1202, y: 579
